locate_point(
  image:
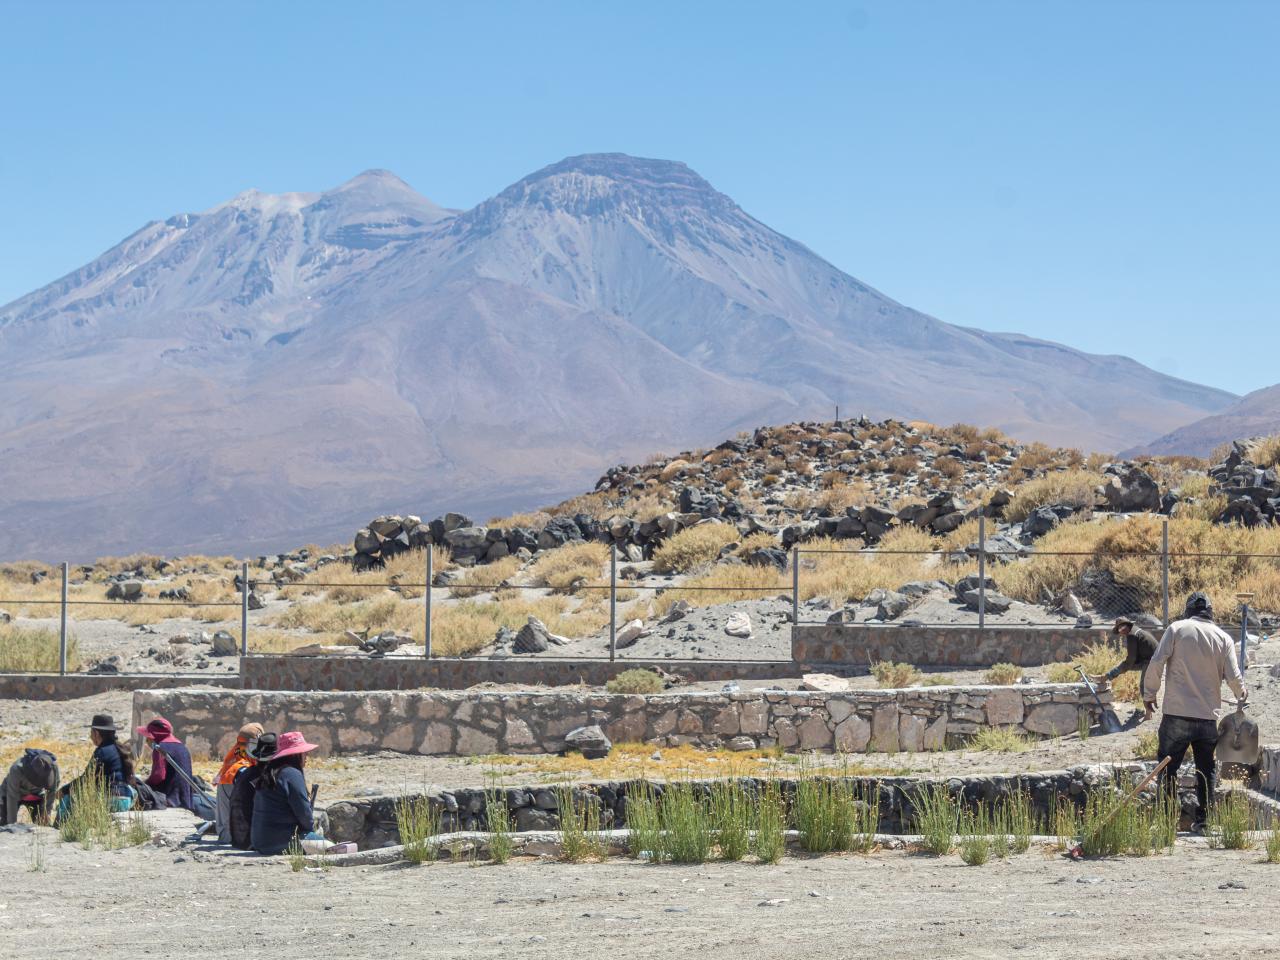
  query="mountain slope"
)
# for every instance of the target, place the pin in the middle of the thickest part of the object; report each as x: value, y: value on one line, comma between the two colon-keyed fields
x: 1254, y: 415
x: 280, y: 366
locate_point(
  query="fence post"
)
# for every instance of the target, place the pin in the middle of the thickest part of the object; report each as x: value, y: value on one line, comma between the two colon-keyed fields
x: 795, y: 588
x: 613, y: 601
x: 426, y: 602
x: 244, y: 608
x: 62, y: 624
x: 982, y: 571
x: 1164, y: 572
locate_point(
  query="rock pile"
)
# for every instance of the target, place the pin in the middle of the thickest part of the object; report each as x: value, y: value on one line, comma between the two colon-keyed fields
x: 1253, y: 493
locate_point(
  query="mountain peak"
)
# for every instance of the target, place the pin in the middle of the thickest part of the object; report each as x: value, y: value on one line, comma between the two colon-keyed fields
x: 640, y: 171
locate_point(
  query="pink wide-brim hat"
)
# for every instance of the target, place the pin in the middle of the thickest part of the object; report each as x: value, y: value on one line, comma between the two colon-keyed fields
x: 157, y: 729
x: 291, y: 743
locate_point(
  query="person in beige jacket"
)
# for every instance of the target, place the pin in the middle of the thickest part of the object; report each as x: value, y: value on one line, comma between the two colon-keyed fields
x: 1193, y: 658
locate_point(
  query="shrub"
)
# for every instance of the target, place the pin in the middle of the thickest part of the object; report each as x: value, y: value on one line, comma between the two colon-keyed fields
x: 644, y: 836
x: 89, y: 819
x: 975, y: 840
x: 824, y: 814
x: 498, y: 819
x: 687, y: 823
x: 636, y: 681
x: 693, y: 547
x: 486, y: 578
x: 1001, y: 740
x: 949, y: 467
x: 1273, y: 843
x: 770, y: 838
x: 1073, y: 487
x: 903, y: 465
x: 580, y: 836
x: 1148, y: 745
x: 894, y: 676
x: 731, y: 816
x: 418, y: 822
x: 565, y: 567
x: 1003, y: 674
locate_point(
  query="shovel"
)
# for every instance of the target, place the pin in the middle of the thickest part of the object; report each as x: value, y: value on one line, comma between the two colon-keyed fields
x: 1108, y: 722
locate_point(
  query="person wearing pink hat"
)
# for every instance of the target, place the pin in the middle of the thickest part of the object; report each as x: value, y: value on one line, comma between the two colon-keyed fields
x: 282, y: 805
x: 171, y: 776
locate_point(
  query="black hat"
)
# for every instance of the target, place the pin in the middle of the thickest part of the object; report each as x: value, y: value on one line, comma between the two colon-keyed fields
x: 265, y: 748
x: 1199, y: 605
x: 103, y: 721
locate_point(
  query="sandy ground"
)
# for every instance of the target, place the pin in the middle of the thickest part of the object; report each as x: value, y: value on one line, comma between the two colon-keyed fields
x: 171, y: 903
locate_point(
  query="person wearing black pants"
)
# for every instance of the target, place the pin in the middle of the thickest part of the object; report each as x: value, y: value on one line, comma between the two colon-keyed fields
x: 1193, y: 659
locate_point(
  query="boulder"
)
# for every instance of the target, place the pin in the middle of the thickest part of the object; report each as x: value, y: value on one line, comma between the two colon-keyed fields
x: 629, y: 633
x: 994, y: 602
x: 1130, y: 489
x: 767, y: 557
x: 843, y: 617
x: 533, y: 637
x: 1040, y: 521
x: 738, y: 625
x: 127, y: 590
x: 947, y: 522
x: 824, y: 683
x: 224, y: 645
x: 892, y: 605
x: 679, y: 610
x: 590, y: 741
x: 969, y: 584
x: 366, y: 541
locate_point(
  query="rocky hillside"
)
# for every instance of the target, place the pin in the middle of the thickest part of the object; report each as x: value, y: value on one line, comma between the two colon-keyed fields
x: 1254, y: 415
x: 269, y: 370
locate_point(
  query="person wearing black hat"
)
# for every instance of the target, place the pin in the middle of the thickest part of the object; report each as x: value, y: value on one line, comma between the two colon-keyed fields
x: 32, y: 782
x: 112, y: 762
x: 1140, y: 647
x: 1194, y: 658
x: 243, y: 789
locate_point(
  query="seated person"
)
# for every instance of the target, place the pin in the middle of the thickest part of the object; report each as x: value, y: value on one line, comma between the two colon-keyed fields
x: 171, y: 778
x: 282, y: 806
x: 112, y: 761
x: 32, y: 782
x: 238, y: 758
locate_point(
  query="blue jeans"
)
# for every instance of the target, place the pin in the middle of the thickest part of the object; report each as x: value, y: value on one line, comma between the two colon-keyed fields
x: 1176, y: 735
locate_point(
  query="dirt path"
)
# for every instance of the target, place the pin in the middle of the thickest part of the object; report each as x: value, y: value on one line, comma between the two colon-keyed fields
x: 890, y: 904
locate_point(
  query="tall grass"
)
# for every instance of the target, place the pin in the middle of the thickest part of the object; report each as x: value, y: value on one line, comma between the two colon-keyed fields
x: 498, y: 820
x: 565, y: 568
x: 732, y: 811
x: 580, y: 834
x: 1073, y: 487
x: 1273, y: 843
x: 418, y: 822
x: 770, y: 843
x: 28, y: 649
x: 644, y: 826
x: 693, y: 547
x: 89, y: 820
x: 1229, y: 822
x: 824, y: 811
x: 937, y: 818
x: 1001, y: 740
x: 687, y: 822
x: 975, y: 837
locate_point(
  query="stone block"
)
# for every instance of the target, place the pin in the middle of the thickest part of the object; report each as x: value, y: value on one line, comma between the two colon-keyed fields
x: 474, y: 743
x: 399, y: 738
x: 437, y: 740
x: 852, y: 735
x: 755, y: 718
x: 1052, y: 719
x: 814, y: 734
x: 935, y: 735
x: 516, y: 733
x: 884, y: 728
x: 911, y: 729
x: 784, y: 732
x: 1004, y: 707
x: 725, y: 722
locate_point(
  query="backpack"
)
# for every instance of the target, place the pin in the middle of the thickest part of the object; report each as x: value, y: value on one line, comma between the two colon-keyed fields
x: 240, y: 820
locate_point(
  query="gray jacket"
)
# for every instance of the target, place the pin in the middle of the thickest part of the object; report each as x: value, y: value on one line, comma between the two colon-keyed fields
x: 35, y: 773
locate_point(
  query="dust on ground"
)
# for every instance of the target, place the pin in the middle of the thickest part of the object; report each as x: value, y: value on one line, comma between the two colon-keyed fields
x: 172, y: 903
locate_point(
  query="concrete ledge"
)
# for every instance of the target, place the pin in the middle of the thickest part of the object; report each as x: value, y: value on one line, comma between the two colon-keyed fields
x: 260, y: 672
x: 475, y: 723
x: 824, y: 645
x: 52, y: 686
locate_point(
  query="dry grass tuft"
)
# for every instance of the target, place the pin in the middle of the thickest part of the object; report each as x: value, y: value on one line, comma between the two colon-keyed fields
x: 485, y: 579
x: 1074, y: 487
x: 693, y: 547
x: 895, y: 676
x: 24, y: 649
x: 565, y: 568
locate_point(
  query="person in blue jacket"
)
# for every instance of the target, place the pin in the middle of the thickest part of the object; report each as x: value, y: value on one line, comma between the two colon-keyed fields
x: 282, y: 804
x: 112, y: 761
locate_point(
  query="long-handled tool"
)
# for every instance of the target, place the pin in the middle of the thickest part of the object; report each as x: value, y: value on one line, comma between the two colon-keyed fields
x: 1077, y: 852
x: 1108, y: 722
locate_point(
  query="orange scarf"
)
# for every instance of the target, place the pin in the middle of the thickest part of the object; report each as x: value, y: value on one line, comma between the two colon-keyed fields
x: 235, y: 761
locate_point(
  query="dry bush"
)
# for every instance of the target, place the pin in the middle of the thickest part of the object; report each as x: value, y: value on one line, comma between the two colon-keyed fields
x: 1003, y: 674
x: 1036, y: 456
x: 848, y: 576
x: 769, y: 479
x: 561, y: 569
x: 760, y: 540
x: 733, y: 485
x: 533, y: 520
x: 903, y: 465
x: 1074, y: 487
x: 799, y: 500
x: 1193, y: 484
x: 840, y: 496
x: 961, y: 432
x: 1266, y: 452
x: 1100, y: 657
x: 717, y: 457
x: 895, y: 676
x: 693, y: 547
x: 25, y: 649
x: 727, y: 584
x: 636, y: 681
x: 328, y: 616
x: 801, y: 467
x: 672, y: 470
x: 483, y: 579
x: 463, y: 628
x: 949, y: 467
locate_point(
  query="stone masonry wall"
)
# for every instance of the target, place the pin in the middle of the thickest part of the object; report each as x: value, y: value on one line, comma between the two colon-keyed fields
x: 453, y: 723
x: 825, y: 645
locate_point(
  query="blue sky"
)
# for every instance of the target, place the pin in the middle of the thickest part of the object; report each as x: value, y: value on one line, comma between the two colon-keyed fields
x: 1106, y: 174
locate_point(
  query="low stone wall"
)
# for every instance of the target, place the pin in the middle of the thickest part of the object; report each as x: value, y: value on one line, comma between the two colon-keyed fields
x: 52, y: 686
x: 824, y: 645
x: 371, y: 821
x: 453, y: 723
x: 1269, y: 769
x: 270, y: 672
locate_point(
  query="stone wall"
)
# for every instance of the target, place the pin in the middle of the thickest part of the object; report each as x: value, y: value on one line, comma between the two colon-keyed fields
x: 371, y: 821
x: 455, y: 723
x: 264, y: 672
x: 1269, y: 770
x: 825, y: 645
x: 52, y: 686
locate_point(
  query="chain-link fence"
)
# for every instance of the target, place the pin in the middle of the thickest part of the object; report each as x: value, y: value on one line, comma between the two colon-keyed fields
x: 734, y: 611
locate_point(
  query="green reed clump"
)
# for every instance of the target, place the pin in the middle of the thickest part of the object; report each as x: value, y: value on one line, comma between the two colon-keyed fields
x: 1229, y: 822
x: 644, y: 838
x: 976, y: 837
x: 1016, y: 816
x: 687, y: 824
x: 498, y: 819
x: 418, y: 822
x: 937, y: 818
x: 823, y: 812
x: 89, y: 820
x: 1273, y: 843
x: 1066, y: 823
x: 771, y: 824
x: 293, y: 853
x: 732, y: 812
x: 580, y: 834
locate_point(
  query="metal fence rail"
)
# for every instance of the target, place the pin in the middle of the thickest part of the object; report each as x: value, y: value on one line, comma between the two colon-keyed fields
x: 1140, y: 589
